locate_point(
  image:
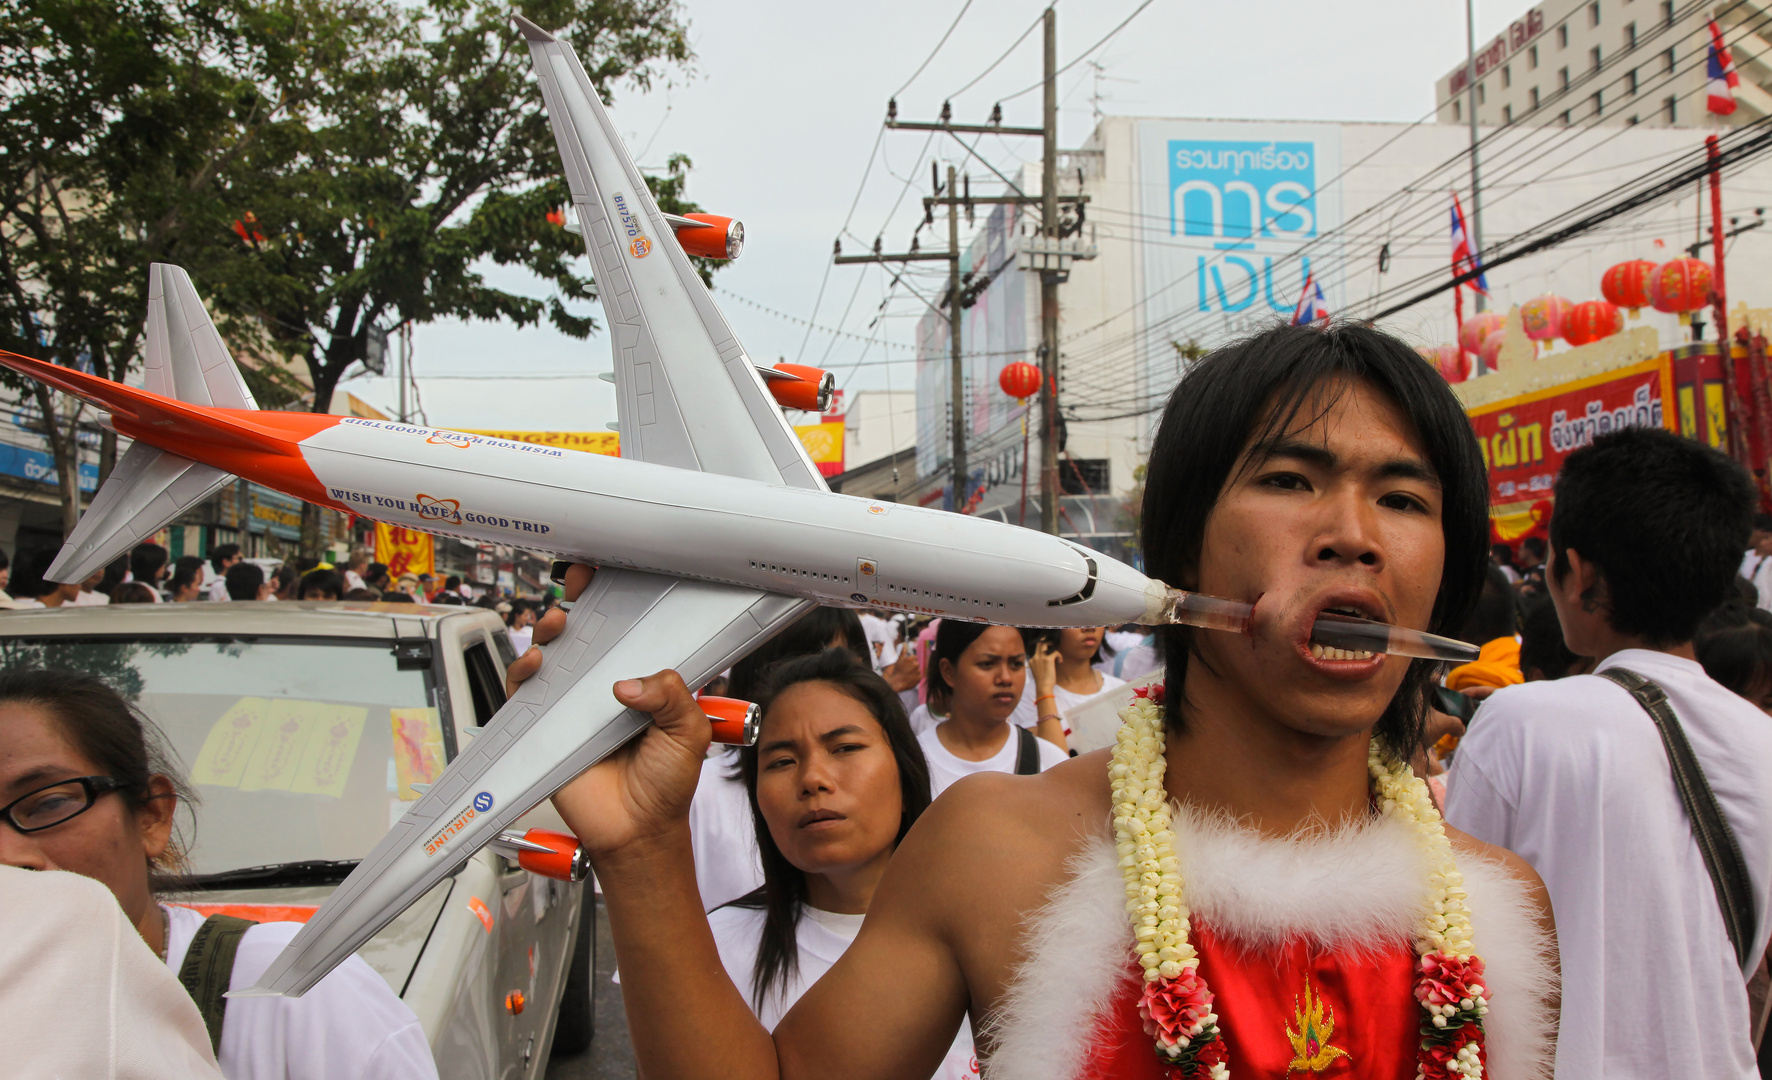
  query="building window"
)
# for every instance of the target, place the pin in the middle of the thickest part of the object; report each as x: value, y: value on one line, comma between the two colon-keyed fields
x: 1563, y: 36
x: 1562, y: 78
x: 1593, y: 54
x: 1667, y: 12
x: 1482, y: 94
x: 1085, y: 476
x: 1532, y: 58
x: 1630, y: 35
x: 1507, y: 114
x: 1565, y: 117
x: 1596, y: 103
x: 1632, y: 122
x: 1532, y: 96
x: 1457, y: 110
x: 1630, y: 81
x: 1667, y: 60
x: 1593, y: 13
x: 1668, y: 108
x: 1507, y: 76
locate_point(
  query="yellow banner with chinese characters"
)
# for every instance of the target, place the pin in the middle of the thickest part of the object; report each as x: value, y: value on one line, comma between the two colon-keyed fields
x: 823, y: 443
x: 405, y: 551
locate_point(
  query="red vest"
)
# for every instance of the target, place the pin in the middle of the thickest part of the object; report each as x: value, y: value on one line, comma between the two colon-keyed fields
x: 1293, y: 1011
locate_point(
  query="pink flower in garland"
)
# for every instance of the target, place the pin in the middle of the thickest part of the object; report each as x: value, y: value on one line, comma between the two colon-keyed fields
x: 1453, y: 1059
x: 1449, y: 980
x: 1175, y: 1009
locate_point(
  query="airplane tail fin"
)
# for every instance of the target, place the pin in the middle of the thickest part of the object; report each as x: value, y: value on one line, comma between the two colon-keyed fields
x: 185, y: 361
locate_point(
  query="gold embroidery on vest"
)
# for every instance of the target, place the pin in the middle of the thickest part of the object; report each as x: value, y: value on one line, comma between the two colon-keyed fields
x: 1310, y: 1043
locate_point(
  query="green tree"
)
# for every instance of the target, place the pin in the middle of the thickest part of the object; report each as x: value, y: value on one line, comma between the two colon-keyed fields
x: 427, y: 155
x: 118, y: 123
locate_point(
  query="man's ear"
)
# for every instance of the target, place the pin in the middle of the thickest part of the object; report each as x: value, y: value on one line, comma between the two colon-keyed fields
x: 1584, y: 580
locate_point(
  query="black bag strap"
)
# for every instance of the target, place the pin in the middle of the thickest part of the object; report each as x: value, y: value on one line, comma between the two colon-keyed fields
x: 1716, y: 841
x: 1027, y: 753
x: 209, y: 968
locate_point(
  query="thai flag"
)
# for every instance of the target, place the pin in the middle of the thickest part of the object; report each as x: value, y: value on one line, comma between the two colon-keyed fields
x: 1311, y: 306
x: 1721, y: 69
x: 1462, y: 258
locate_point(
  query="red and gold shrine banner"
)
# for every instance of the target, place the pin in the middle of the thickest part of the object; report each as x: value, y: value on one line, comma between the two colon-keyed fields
x: 405, y: 551
x: 824, y: 445
x: 1526, y: 438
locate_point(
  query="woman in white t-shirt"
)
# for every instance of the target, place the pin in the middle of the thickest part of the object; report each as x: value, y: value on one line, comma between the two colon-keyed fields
x: 976, y: 673
x: 835, y: 782
x: 84, y: 788
x: 1064, y: 676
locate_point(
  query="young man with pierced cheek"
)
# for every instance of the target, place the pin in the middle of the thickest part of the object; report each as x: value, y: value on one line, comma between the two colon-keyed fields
x: 1249, y: 882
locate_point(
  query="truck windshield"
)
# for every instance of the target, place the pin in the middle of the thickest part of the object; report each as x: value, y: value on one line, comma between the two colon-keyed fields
x: 298, y: 748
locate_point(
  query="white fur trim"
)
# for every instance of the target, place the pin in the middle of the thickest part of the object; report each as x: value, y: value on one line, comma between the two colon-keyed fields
x: 1519, y: 965
x: 1344, y: 886
x: 1264, y: 891
x: 1046, y: 1023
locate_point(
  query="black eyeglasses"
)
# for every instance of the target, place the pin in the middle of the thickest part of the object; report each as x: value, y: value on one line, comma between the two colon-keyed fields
x: 58, y: 802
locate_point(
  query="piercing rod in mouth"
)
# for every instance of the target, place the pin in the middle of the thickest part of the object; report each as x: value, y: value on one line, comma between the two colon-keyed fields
x: 1330, y: 630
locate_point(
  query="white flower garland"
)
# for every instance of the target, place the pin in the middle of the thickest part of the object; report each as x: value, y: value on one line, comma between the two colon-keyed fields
x: 1176, y: 1003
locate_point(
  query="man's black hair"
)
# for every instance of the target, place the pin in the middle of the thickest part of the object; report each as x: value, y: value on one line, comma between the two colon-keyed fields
x: 145, y: 561
x: 1734, y: 646
x: 1264, y: 385
x: 244, y: 580
x: 1496, y: 616
x: 315, y: 582
x: 452, y: 582
x: 1501, y: 554
x: 1533, y: 546
x: 28, y: 571
x: 221, y: 553
x: 1664, y: 518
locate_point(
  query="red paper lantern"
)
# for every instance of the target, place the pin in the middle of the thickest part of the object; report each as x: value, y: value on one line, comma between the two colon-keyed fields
x: 1627, y: 284
x: 1543, y: 317
x: 1681, y: 286
x: 1591, y: 321
x: 1492, y: 349
x: 1478, y: 327
x: 1020, y: 380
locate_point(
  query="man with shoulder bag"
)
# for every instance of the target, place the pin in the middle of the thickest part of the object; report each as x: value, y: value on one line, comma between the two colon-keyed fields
x: 1641, y: 793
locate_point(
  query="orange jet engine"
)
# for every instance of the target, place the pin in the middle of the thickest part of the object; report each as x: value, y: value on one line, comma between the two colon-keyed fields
x: 708, y: 235
x: 797, y: 386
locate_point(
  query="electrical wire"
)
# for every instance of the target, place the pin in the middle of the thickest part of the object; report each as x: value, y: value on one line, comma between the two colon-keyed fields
x: 1084, y: 54
x: 944, y: 40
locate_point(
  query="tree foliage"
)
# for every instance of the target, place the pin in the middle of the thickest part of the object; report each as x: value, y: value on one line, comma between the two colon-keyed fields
x: 320, y: 167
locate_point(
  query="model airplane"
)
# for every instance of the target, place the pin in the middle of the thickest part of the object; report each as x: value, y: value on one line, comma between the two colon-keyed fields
x: 710, y: 533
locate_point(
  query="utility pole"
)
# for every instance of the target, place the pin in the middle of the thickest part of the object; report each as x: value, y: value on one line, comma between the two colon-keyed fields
x: 405, y: 360
x: 1470, y: 90
x: 1050, y: 490
x: 1050, y: 254
x: 961, y: 483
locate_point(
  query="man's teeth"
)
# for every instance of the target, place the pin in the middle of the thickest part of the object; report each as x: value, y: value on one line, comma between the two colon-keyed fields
x: 1324, y: 652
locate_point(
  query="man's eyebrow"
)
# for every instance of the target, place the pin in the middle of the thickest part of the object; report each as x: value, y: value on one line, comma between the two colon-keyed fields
x: 841, y: 732
x: 1309, y: 453
x: 1409, y: 469
x: 774, y: 745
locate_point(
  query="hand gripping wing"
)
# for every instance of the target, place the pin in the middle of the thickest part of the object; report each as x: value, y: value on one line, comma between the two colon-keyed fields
x: 688, y: 397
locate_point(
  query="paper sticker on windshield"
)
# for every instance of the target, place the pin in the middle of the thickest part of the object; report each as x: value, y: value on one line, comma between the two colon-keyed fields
x: 304, y: 747
x: 229, y: 744
x: 334, y: 731
x: 418, y: 749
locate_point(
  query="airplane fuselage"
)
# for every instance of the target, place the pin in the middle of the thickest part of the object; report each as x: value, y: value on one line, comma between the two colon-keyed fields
x: 822, y: 546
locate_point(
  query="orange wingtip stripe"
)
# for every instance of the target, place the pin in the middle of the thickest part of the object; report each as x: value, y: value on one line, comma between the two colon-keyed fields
x: 257, y: 912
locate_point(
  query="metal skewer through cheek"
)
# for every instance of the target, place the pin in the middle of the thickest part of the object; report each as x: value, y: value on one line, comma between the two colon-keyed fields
x: 1332, y: 631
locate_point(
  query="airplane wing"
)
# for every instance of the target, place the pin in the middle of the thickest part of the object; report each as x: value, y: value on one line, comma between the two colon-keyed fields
x: 684, y: 384
x: 689, y: 397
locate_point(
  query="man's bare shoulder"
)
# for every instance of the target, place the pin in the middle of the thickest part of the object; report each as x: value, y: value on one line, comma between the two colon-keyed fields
x: 1009, y: 836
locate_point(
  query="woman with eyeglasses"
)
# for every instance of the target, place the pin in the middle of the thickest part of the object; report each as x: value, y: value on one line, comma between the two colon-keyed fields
x: 84, y: 787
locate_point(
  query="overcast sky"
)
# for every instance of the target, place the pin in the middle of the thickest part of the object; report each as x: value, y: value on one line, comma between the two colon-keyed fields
x: 781, y: 108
